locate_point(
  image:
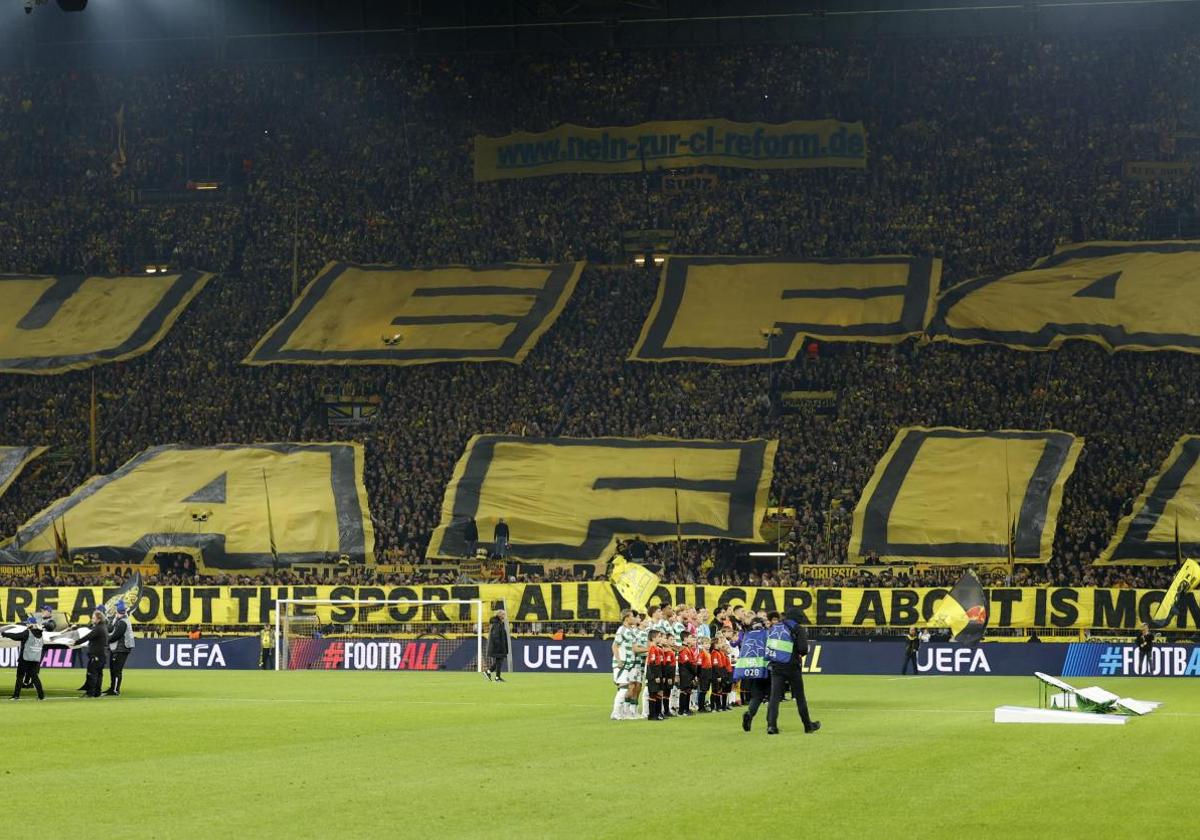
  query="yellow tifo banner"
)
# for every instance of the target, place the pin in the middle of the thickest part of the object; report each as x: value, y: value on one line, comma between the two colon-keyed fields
x: 746, y: 310
x: 1170, y: 500
x: 672, y: 144
x: 354, y: 314
x: 1065, y: 608
x: 13, y: 459
x: 573, y: 498
x: 212, y: 502
x: 955, y: 496
x: 53, y: 324
x: 1121, y: 295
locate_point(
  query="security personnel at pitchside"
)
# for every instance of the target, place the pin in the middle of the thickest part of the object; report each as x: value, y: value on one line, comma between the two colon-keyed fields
x: 120, y: 645
x: 30, y: 661
x: 48, y: 625
x: 785, y: 669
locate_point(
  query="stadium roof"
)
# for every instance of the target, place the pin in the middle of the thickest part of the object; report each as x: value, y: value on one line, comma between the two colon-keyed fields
x: 151, y: 31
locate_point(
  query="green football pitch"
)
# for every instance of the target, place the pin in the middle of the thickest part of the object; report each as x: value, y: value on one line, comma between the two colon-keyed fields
x: 299, y: 755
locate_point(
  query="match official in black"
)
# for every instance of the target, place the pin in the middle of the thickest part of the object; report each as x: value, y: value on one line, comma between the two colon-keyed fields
x: 787, y: 676
x: 97, y: 650
x: 120, y: 645
x: 497, y: 647
x: 912, y: 644
x: 1145, y: 648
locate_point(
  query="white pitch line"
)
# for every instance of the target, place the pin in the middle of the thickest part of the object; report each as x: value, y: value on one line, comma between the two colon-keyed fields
x: 599, y: 706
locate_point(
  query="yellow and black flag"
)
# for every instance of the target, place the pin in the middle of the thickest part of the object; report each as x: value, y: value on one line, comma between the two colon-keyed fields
x: 964, y: 611
x: 1187, y: 579
x: 635, y: 583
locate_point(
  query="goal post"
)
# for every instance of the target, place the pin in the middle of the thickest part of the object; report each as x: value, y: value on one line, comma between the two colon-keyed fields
x: 379, y: 635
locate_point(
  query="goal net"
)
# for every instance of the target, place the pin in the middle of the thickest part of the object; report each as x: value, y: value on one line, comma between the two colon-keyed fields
x: 350, y: 635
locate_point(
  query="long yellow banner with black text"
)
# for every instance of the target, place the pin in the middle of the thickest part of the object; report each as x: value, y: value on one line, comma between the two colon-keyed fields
x: 1064, y: 608
x: 671, y: 144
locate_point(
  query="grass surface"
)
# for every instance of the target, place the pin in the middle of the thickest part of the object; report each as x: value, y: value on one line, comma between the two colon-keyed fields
x: 318, y: 755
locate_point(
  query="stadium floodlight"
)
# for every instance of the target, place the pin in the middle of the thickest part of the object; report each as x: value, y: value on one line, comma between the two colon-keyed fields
x: 380, y: 635
x: 766, y: 554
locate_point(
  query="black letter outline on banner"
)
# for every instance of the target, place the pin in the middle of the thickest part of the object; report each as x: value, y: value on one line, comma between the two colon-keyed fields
x: 1131, y: 543
x: 172, y: 303
x: 1031, y: 520
x: 553, y: 295
x: 742, y: 491
x: 916, y: 290
x: 343, y: 486
x: 1051, y: 336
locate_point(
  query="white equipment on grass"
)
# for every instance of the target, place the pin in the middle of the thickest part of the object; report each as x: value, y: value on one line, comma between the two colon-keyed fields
x: 378, y: 635
x: 1091, y: 705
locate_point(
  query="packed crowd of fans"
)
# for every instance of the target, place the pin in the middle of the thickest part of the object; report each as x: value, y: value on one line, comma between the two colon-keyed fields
x: 986, y: 154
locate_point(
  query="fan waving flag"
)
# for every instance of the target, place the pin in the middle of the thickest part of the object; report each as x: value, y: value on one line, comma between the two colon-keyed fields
x: 1187, y: 579
x: 964, y: 611
x: 635, y: 583
x: 130, y: 592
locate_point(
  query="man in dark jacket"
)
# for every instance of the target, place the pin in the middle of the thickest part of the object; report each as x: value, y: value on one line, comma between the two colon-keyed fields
x: 786, y: 675
x: 497, y: 647
x: 120, y: 645
x: 471, y: 536
x: 29, y: 660
x: 1145, y: 649
x: 912, y: 644
x: 500, y: 539
x: 97, y: 650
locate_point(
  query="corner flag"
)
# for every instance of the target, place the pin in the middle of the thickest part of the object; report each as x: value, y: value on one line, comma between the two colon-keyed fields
x: 964, y: 610
x: 635, y: 583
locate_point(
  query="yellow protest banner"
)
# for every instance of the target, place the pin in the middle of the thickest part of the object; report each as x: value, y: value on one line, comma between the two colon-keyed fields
x: 672, y: 144
x: 354, y: 314
x: 52, y: 324
x: 954, y: 496
x: 212, y: 501
x: 1056, y: 608
x: 1121, y: 295
x: 573, y: 498
x: 748, y: 310
x: 1169, y: 506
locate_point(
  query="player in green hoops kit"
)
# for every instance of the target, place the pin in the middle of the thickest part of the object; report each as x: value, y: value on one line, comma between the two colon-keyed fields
x: 629, y: 664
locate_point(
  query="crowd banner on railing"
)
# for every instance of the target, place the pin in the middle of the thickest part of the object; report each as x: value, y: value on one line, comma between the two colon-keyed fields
x: 1121, y: 295
x: 572, y: 498
x: 672, y: 144
x: 211, y: 502
x: 52, y: 324
x: 352, y: 314
x: 558, y: 604
x: 1147, y: 534
x: 955, y: 496
x: 752, y: 310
